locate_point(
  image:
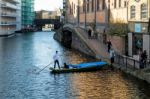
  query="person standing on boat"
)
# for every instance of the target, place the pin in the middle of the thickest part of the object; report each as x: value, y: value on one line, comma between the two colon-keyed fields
x: 56, y: 60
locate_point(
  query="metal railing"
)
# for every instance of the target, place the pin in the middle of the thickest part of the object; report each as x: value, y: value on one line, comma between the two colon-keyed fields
x: 8, y: 14
x: 128, y: 62
x: 8, y: 23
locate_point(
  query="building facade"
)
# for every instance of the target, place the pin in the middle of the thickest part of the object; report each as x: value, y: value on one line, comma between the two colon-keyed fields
x: 10, y: 16
x: 64, y: 13
x: 85, y: 12
x: 88, y: 14
x: 118, y: 24
x: 28, y: 13
x: 118, y: 11
x: 138, y: 25
x: 72, y: 11
x: 43, y: 14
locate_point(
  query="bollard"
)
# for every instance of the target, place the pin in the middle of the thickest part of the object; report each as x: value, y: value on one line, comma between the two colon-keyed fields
x: 126, y: 62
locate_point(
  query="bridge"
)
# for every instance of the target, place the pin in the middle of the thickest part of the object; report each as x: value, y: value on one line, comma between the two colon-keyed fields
x: 41, y: 22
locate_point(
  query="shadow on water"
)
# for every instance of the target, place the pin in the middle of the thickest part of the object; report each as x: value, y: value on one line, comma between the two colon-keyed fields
x: 23, y: 55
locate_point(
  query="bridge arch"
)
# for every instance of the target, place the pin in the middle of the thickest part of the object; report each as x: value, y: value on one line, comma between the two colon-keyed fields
x: 39, y: 23
x: 67, y: 37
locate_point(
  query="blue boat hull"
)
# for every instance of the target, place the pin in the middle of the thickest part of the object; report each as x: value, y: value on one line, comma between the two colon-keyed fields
x: 82, y: 67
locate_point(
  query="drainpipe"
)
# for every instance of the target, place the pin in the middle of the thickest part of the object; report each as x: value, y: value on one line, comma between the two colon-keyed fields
x: 85, y: 12
x: 95, y: 16
x: 126, y: 45
x: 108, y: 13
x: 78, y: 13
x: 148, y: 2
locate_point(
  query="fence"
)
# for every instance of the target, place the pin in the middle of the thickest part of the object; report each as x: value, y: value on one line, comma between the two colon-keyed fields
x: 128, y: 62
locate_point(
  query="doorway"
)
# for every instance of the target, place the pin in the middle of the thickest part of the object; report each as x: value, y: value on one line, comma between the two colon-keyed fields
x: 137, y: 43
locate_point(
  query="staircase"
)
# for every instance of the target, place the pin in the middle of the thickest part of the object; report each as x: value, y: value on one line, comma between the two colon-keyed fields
x: 97, y: 46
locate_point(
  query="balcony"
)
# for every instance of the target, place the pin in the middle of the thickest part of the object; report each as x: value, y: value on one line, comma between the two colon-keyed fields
x: 12, y: 15
x: 8, y: 5
x: 15, y: 1
x: 5, y: 32
x: 8, y: 23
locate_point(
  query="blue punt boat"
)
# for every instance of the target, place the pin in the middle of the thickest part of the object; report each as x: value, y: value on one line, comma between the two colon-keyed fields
x: 82, y: 67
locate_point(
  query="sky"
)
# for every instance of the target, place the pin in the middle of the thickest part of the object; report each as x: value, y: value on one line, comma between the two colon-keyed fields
x: 49, y: 5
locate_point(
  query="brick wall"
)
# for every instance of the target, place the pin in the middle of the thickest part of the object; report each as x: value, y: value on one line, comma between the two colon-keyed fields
x: 118, y: 43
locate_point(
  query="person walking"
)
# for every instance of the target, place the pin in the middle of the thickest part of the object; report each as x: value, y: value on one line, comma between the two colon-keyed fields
x: 89, y: 33
x: 112, y: 57
x: 109, y: 45
x: 56, y: 60
x: 104, y: 38
x: 143, y: 59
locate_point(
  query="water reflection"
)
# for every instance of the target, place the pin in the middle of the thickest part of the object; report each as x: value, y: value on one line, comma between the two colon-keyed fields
x: 23, y: 55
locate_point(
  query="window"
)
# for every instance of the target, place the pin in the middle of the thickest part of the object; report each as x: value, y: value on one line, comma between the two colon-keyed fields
x: 88, y: 6
x: 103, y: 4
x: 74, y: 8
x: 132, y: 12
x: 98, y: 5
x: 70, y: 10
x: 84, y: 6
x: 143, y: 11
x: 115, y: 4
x: 125, y: 3
x: 119, y: 3
x: 92, y: 8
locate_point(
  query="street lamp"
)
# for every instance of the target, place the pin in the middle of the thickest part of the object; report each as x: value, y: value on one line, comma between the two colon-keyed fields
x: 78, y: 12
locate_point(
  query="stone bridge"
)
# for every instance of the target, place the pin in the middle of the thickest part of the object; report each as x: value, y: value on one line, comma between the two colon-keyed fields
x: 77, y: 38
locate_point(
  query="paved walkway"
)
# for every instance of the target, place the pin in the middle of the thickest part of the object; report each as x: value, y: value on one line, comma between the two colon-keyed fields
x: 101, y: 52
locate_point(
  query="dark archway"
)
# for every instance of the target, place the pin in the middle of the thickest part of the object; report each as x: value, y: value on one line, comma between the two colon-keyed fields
x: 41, y: 22
x: 67, y: 38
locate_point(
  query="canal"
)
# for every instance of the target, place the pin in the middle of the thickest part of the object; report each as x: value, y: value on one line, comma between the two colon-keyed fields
x: 23, y: 55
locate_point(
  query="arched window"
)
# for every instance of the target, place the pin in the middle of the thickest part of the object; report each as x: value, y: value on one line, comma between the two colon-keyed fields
x: 143, y: 11
x: 88, y: 6
x: 92, y: 7
x: 84, y: 5
x: 132, y: 10
x: 98, y: 5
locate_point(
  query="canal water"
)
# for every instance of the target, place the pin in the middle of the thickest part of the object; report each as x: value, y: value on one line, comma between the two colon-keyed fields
x: 23, y: 55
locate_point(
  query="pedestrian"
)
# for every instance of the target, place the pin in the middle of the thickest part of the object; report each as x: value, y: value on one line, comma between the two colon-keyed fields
x: 144, y: 58
x: 89, y: 33
x: 56, y: 60
x: 141, y: 61
x: 112, y: 57
x: 104, y: 38
x: 109, y: 45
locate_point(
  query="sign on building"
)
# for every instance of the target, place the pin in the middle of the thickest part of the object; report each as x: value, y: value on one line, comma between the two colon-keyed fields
x: 138, y: 28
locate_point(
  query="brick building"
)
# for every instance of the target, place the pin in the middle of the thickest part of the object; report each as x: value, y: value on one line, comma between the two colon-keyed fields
x: 88, y: 12
x: 118, y: 21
